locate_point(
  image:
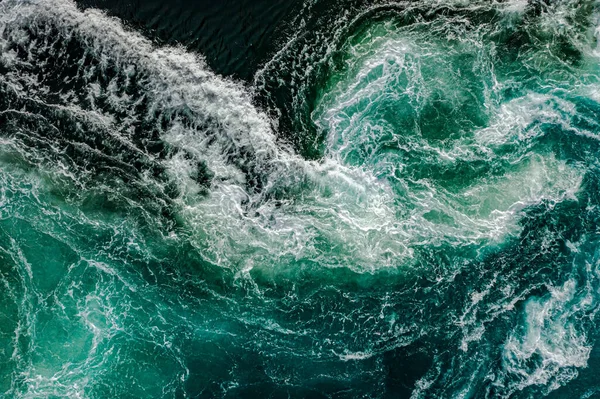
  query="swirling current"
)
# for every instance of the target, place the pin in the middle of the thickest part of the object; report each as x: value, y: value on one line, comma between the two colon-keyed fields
x: 301, y: 199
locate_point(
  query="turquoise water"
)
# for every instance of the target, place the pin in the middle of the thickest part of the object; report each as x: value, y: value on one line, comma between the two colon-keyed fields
x: 402, y: 203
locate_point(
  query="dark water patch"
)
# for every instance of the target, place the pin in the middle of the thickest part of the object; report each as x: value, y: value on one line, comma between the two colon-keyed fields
x: 235, y: 36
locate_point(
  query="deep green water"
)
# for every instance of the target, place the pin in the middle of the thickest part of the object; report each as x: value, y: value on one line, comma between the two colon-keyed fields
x: 341, y: 200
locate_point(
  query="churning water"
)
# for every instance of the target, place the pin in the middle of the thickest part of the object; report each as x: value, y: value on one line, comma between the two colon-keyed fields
x: 400, y: 200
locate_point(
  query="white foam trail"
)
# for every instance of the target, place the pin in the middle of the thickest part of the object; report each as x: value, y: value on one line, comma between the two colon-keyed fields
x: 214, y: 120
x: 305, y: 208
x: 390, y: 68
x: 178, y: 81
x: 550, y: 346
x: 518, y: 120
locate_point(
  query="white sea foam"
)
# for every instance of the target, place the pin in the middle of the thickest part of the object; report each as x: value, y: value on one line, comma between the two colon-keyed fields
x: 334, y: 201
x: 551, y: 345
x: 346, y: 207
x: 390, y: 69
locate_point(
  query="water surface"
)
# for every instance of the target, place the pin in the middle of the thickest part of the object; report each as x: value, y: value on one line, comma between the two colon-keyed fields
x: 299, y: 199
